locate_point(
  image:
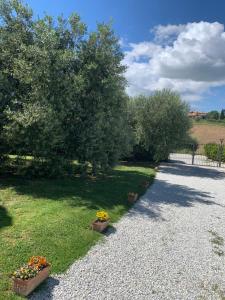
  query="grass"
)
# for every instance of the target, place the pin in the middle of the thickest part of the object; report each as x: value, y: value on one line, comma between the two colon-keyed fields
x: 215, y: 288
x: 217, y: 242
x: 52, y: 217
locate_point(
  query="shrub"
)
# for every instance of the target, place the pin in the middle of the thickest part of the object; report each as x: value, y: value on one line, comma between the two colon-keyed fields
x: 213, y: 115
x: 212, y: 151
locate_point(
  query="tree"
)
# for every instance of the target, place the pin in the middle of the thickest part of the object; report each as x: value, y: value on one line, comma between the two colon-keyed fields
x: 160, y: 123
x: 222, y: 114
x: 63, y: 91
x: 213, y: 115
x: 15, y: 36
x: 103, y: 133
x: 40, y: 66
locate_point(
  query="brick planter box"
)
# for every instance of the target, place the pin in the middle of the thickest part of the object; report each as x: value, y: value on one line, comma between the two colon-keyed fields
x: 132, y: 197
x: 25, y: 287
x: 99, y: 226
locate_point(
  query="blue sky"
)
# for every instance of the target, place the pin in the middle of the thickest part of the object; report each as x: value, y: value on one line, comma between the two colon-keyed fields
x: 187, y: 56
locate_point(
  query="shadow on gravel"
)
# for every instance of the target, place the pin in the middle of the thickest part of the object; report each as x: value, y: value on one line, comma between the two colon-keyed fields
x: 163, y: 192
x: 146, y: 208
x: 110, y: 230
x: 196, y: 171
x: 47, y: 287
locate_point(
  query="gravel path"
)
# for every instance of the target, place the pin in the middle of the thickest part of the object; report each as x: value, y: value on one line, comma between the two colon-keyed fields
x: 199, y: 160
x: 169, y: 246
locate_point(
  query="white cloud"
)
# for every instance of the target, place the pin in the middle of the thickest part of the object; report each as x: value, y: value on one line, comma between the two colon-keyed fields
x: 167, y: 33
x: 144, y: 50
x: 188, y: 58
x: 122, y: 42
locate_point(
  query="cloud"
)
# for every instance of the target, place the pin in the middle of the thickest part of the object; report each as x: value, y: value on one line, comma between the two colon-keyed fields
x: 189, y: 58
x: 122, y: 42
x: 167, y: 33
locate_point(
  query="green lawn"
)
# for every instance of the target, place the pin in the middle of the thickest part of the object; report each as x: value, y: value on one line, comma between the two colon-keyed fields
x: 52, y: 217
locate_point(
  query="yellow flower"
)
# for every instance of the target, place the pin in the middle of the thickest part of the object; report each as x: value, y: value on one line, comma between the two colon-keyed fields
x: 102, y: 215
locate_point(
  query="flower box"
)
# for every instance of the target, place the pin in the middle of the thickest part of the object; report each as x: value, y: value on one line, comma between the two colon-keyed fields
x: 99, y: 225
x: 24, y: 287
x: 132, y: 197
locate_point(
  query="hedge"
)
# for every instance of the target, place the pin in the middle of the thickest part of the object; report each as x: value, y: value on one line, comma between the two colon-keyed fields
x: 212, y: 151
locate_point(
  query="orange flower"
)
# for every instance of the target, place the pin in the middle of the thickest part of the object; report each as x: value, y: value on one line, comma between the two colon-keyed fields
x: 38, y: 262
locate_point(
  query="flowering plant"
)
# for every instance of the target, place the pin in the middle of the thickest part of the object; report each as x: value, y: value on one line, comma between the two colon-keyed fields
x: 31, y: 269
x: 102, y: 216
x: 38, y: 262
x: 25, y: 272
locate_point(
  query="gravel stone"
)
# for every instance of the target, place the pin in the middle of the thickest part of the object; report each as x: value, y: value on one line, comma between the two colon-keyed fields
x: 161, y: 249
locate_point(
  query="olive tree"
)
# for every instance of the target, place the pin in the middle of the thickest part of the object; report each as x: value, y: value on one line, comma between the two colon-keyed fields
x: 62, y: 90
x: 160, y: 122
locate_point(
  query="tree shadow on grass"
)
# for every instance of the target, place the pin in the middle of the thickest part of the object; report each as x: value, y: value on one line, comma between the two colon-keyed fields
x: 5, y: 219
x: 93, y: 193
x: 111, y: 191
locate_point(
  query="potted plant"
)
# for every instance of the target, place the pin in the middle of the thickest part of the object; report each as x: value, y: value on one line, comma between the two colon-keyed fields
x: 29, y: 276
x: 132, y: 197
x: 102, y: 221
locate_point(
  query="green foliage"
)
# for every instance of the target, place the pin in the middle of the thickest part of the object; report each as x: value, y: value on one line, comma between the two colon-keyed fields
x: 103, y: 132
x: 222, y: 114
x: 28, y: 130
x: 160, y: 123
x: 213, y: 115
x: 214, y: 151
x: 62, y: 91
x: 63, y: 97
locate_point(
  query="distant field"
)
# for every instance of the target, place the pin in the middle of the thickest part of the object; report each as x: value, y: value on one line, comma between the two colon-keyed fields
x: 208, y: 132
x: 211, y: 122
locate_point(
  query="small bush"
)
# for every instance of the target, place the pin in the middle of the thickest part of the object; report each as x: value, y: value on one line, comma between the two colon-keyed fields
x: 212, y: 151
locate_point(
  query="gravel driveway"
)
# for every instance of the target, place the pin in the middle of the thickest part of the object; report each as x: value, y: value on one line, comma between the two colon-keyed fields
x: 169, y: 246
x: 199, y: 159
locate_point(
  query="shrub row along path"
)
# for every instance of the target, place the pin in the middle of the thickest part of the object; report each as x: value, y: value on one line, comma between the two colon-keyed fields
x: 170, y: 245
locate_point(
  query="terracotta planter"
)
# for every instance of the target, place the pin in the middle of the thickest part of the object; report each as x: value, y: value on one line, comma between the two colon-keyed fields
x: 25, y: 287
x: 145, y: 184
x: 99, y: 226
x: 132, y: 197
